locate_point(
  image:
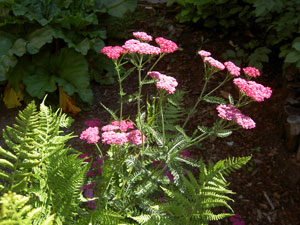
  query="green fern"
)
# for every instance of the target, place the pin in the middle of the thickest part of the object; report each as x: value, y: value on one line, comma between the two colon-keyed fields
x: 16, y: 210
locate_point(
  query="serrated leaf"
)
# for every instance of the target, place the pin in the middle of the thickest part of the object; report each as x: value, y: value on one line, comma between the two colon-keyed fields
x: 83, y: 47
x: 214, y: 99
x: 203, y: 129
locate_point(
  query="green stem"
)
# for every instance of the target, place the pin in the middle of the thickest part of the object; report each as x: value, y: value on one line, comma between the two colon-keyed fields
x: 100, y: 152
x: 162, y: 116
x: 121, y: 89
x: 222, y: 83
x: 197, y: 103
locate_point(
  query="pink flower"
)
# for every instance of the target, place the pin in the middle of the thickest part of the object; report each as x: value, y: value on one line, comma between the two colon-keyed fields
x: 135, y: 137
x: 91, y: 135
x: 99, y: 162
x: 251, y: 71
x: 186, y: 154
x: 92, y: 204
x: 237, y: 220
x: 99, y: 171
x: 89, y: 174
x: 92, y: 123
x: 111, y: 137
x: 143, y: 36
x: 204, y: 53
x: 124, y: 125
x: 232, y: 68
x: 113, y: 52
x: 90, y: 186
x: 229, y: 112
x: 135, y: 46
x: 164, y: 82
x: 170, y: 176
x: 166, y: 45
x: 214, y: 63
x: 252, y: 89
x: 161, y: 199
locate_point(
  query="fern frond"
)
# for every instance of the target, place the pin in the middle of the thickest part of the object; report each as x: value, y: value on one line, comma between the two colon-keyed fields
x: 16, y: 210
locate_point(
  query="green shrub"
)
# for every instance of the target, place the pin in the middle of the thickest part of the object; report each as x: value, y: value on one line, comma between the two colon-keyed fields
x: 43, y: 43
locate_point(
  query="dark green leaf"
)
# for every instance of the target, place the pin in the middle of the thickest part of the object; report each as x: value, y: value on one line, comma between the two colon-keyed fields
x: 19, y: 47
x: 292, y: 57
x: 120, y: 7
x: 38, y: 39
x: 83, y: 46
x: 86, y: 95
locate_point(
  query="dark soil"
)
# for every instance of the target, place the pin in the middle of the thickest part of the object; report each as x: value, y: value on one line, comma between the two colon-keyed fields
x: 268, y: 188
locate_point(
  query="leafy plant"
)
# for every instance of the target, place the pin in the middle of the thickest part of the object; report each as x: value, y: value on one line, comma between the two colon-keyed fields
x: 41, y: 29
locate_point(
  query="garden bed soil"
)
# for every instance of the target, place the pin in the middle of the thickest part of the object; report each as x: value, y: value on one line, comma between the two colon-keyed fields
x: 268, y: 188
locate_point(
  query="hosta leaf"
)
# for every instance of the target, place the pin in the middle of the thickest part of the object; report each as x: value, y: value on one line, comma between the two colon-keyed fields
x: 39, y: 38
x: 12, y: 98
x: 6, y: 41
x: 67, y: 104
x: 86, y: 95
x: 292, y: 57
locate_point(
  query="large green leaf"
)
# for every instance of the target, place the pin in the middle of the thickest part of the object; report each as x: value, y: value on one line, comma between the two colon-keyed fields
x: 39, y: 38
x: 6, y: 41
x: 118, y: 8
x: 38, y: 84
x: 72, y: 67
x: 19, y: 47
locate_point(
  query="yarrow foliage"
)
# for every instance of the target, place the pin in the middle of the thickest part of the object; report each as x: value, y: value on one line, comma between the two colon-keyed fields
x: 252, y: 89
x: 229, y: 112
x: 113, y: 52
x: 232, y: 68
x: 164, y: 82
x: 166, y: 46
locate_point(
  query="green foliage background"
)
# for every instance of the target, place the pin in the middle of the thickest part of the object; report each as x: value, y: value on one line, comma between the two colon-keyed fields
x: 43, y: 43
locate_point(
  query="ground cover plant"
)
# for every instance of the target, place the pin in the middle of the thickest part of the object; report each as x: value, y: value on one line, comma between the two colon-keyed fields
x: 141, y: 171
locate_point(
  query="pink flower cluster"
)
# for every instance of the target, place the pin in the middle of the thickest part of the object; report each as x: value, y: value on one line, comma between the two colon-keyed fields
x: 113, y: 52
x: 251, y: 71
x: 92, y: 123
x: 237, y: 220
x: 166, y: 45
x: 143, y: 36
x: 229, y: 112
x: 135, y: 46
x: 204, y: 53
x: 164, y: 82
x: 111, y: 135
x: 214, y: 63
x: 252, y: 89
x: 232, y: 68
x: 91, y: 135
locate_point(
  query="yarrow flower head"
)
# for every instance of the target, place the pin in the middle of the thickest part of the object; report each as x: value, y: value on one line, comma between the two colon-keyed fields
x: 143, y: 36
x: 232, y: 68
x: 204, y: 53
x: 214, y: 63
x: 91, y: 135
x: 116, y: 133
x: 166, y: 45
x: 252, y: 89
x: 251, y: 71
x: 164, y: 82
x: 113, y: 52
x: 135, y: 46
x: 92, y: 123
x: 229, y: 112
